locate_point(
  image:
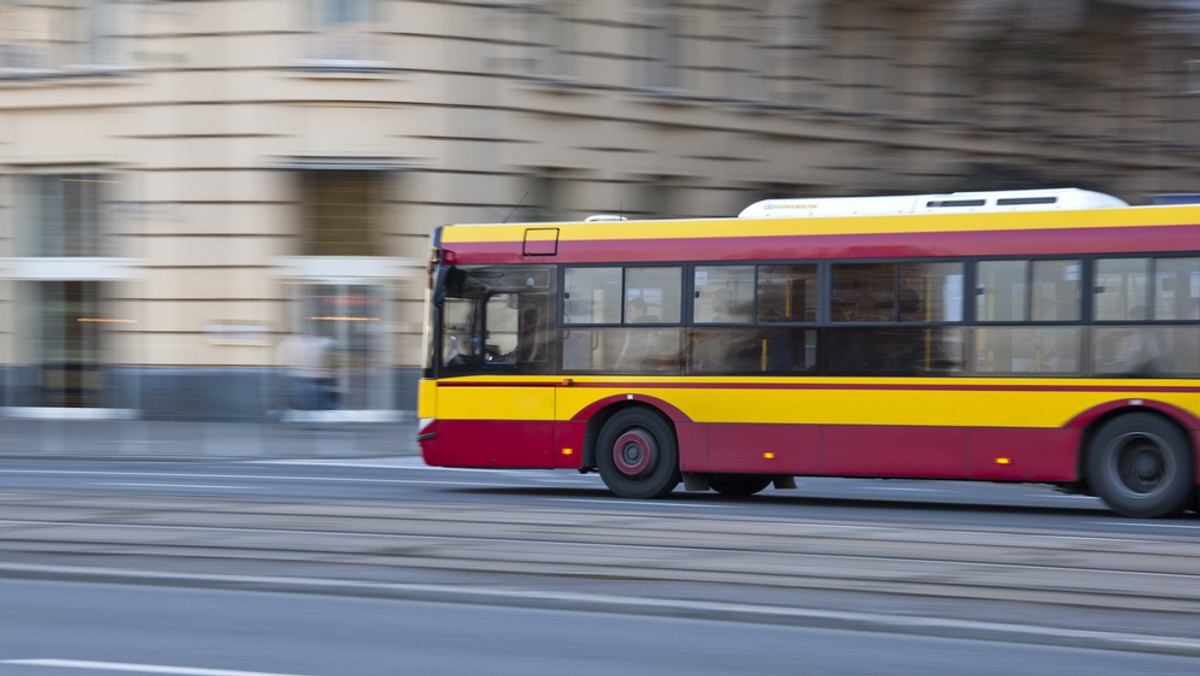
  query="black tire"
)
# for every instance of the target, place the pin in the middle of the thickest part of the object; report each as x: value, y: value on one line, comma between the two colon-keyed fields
x: 738, y: 485
x: 1141, y: 465
x: 637, y: 455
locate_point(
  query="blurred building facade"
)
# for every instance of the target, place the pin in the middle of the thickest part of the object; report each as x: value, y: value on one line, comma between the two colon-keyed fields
x: 183, y: 184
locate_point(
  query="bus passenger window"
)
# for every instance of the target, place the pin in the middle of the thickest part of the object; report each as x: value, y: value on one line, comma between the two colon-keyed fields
x: 1056, y: 290
x: 636, y: 344
x: 1027, y: 349
x: 660, y: 288
x: 773, y: 350
x: 1177, y: 289
x: 786, y: 349
x: 787, y: 293
x: 623, y: 350
x: 931, y: 292
x: 896, y: 351
x: 592, y: 296
x: 1145, y: 351
x: 1121, y: 289
x: 1001, y: 292
x: 724, y: 294
x: 863, y: 292
x: 726, y: 350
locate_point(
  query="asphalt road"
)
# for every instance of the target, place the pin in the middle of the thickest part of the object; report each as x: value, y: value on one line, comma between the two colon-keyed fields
x: 935, y: 571
x: 407, y: 478
x: 65, y: 628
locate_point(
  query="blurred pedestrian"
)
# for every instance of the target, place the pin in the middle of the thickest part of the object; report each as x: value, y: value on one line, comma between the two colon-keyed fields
x: 309, y: 363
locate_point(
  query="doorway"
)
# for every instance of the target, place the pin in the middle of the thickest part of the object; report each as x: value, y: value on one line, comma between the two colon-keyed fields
x: 350, y: 316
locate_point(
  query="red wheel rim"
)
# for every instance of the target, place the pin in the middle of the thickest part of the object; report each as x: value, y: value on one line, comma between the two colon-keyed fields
x: 633, y: 453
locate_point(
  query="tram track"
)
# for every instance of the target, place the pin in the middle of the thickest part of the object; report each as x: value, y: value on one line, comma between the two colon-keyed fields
x: 383, y: 541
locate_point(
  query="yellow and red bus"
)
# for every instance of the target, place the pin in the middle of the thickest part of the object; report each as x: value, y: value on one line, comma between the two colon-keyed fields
x: 1041, y: 336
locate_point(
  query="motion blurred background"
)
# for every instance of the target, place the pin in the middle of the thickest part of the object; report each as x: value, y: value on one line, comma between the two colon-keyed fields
x: 184, y: 185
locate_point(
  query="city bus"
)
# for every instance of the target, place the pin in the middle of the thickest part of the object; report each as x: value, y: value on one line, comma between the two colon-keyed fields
x: 1035, y: 336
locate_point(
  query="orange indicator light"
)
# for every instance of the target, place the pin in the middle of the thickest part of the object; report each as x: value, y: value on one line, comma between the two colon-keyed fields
x: 769, y: 455
x: 568, y: 451
x: 1003, y: 461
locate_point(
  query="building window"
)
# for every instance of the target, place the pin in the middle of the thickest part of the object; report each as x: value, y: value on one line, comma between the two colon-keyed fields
x: 744, y: 63
x: 36, y: 35
x: 63, y: 214
x: 554, y: 36
x: 342, y: 212
x: 345, y: 30
x: 661, y: 45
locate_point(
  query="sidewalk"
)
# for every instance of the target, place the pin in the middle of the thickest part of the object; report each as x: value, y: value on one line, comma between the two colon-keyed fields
x: 141, y: 439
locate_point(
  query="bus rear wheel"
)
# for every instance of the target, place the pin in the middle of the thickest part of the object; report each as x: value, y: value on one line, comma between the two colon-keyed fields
x: 1141, y: 465
x: 738, y: 485
x: 637, y: 455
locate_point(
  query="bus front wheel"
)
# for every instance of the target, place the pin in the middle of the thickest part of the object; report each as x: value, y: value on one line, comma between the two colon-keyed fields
x: 1141, y: 466
x: 637, y: 455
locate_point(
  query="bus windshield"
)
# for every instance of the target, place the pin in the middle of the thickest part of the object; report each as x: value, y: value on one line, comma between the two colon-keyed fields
x: 496, y: 318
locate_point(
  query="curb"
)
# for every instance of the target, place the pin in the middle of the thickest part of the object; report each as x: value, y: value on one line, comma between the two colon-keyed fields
x: 674, y: 608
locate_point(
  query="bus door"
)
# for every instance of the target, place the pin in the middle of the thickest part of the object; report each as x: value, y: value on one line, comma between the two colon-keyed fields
x: 496, y: 390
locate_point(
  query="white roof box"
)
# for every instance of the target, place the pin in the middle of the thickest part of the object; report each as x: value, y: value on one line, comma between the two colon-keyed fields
x: 952, y: 203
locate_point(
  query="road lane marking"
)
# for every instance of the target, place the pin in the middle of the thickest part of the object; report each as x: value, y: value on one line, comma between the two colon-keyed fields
x: 256, y: 477
x: 645, y: 503
x: 134, y: 668
x: 404, y: 462
x: 1144, y: 524
x: 154, y: 485
x: 390, y: 463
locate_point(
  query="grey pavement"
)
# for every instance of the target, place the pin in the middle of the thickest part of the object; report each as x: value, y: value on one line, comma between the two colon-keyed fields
x: 180, y: 440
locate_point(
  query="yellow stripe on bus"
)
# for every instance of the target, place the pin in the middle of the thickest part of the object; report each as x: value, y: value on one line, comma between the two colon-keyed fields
x: 831, y: 401
x: 768, y: 227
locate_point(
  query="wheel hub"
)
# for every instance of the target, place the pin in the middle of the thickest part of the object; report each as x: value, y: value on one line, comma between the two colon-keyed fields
x: 1147, y: 467
x: 633, y: 453
x: 1141, y: 465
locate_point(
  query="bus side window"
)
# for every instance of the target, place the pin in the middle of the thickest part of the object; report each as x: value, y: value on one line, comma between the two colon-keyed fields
x: 787, y: 293
x: 724, y: 294
x: 1001, y: 294
x: 1027, y: 349
x: 1177, y: 289
x: 1056, y: 290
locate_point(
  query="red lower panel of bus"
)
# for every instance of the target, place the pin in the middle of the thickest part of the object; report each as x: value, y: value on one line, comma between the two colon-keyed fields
x: 857, y: 450
x: 899, y: 451
x: 1014, y: 454
x: 503, y: 444
x: 1003, y: 454
x: 764, y: 449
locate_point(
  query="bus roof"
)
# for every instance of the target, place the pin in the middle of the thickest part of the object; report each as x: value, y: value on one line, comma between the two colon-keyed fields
x: 1076, y: 223
x: 957, y: 202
